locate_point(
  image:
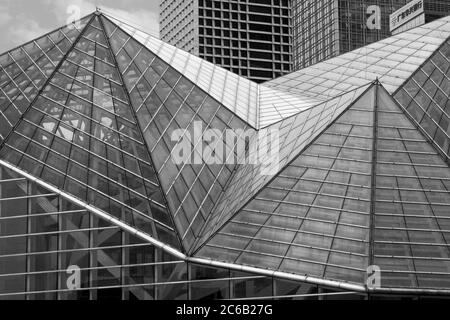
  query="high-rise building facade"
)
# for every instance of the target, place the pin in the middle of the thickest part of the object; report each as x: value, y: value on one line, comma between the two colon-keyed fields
x: 93, y: 204
x: 250, y: 38
x: 178, y: 24
x: 326, y: 28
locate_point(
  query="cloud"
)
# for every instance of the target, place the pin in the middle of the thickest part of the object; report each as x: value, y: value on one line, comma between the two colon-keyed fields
x: 145, y: 19
x: 27, y: 31
x: 60, y: 9
x: 22, y: 21
x: 17, y: 29
x: 5, y: 16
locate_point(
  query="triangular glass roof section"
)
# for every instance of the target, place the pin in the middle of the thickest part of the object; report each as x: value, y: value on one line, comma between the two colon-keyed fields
x: 370, y: 190
x: 25, y: 70
x: 392, y: 60
x: 313, y: 217
x: 275, y: 105
x: 236, y: 93
x: 246, y: 99
x: 81, y: 135
x: 165, y: 102
x: 412, y: 204
x: 425, y: 97
x: 295, y: 133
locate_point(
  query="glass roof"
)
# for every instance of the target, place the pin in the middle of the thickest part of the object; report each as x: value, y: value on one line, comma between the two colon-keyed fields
x: 391, y: 60
x: 339, y: 207
x: 313, y: 217
x: 275, y: 105
x: 236, y: 93
x: 258, y: 105
x: 412, y: 204
x: 80, y: 135
x: 426, y: 98
x: 295, y: 133
x: 165, y: 101
x: 24, y: 71
x: 46, y: 233
x: 359, y: 178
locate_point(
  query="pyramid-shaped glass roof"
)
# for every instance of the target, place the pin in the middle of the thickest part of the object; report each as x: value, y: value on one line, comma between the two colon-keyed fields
x: 370, y: 187
x: 81, y: 135
x: 361, y: 176
x: 24, y: 71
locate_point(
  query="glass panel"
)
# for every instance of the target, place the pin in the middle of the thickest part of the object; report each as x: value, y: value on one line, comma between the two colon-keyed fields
x: 88, y: 136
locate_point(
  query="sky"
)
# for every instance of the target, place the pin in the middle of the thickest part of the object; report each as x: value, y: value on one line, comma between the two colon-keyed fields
x: 25, y: 20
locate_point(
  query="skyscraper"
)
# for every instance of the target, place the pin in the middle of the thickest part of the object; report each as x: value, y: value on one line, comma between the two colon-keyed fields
x: 93, y: 204
x: 326, y: 28
x: 250, y: 38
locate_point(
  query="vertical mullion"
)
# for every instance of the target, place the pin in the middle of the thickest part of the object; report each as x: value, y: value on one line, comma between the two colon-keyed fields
x: 92, y: 292
x: 28, y: 242
x: 374, y: 176
x: 59, y: 249
x: 229, y: 285
x: 156, y: 274
x: 125, y: 261
x: 188, y: 283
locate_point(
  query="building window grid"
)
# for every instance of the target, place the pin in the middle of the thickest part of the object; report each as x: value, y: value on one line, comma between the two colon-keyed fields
x: 146, y: 267
x: 230, y: 18
x: 342, y: 25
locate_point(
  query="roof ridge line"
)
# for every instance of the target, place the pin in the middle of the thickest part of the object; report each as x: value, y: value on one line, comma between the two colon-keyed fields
x: 250, y: 122
x: 47, y: 81
x: 172, y: 251
x: 95, y: 210
x: 140, y: 131
x: 198, y: 247
x: 124, y: 21
x: 46, y: 34
x: 167, y: 248
x: 316, y: 105
x: 373, y: 170
x: 424, y: 26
